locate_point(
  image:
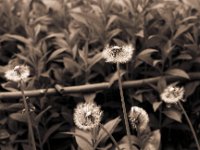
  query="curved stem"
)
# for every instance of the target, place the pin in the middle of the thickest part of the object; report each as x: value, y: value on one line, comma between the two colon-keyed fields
x: 30, y: 129
x: 110, y: 135
x: 190, y: 124
x: 39, y: 138
x: 128, y: 132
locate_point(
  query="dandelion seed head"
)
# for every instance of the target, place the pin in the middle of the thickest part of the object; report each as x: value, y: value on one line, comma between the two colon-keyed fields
x: 139, y: 118
x: 117, y: 54
x: 172, y: 94
x: 18, y: 73
x: 87, y: 116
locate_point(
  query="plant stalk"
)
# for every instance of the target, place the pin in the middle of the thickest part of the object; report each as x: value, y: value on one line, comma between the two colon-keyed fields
x: 30, y: 129
x: 190, y: 125
x: 124, y: 107
x: 111, y: 137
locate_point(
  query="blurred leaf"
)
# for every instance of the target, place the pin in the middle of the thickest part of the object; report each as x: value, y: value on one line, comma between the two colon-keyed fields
x: 161, y: 85
x: 156, y: 105
x: 173, y: 114
x: 72, y: 66
x: 183, y: 57
x: 113, y: 33
x: 124, y: 144
x: 19, y: 38
x: 182, y: 29
x: 190, y: 88
x: 153, y: 142
x: 56, y: 54
x: 19, y: 116
x: 10, y: 86
x: 110, y: 126
x: 89, y: 97
x: 92, y: 61
x: 192, y: 3
x: 145, y: 56
x: 79, y: 18
x: 138, y: 97
x: 111, y: 20
x: 83, y: 139
x: 39, y: 116
x: 178, y: 72
x: 50, y: 131
x: 114, y: 77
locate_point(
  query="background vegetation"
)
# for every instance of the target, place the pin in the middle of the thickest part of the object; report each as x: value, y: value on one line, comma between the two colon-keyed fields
x: 62, y: 40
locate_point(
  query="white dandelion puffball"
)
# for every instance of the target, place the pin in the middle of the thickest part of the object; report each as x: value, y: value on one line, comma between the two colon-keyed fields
x: 117, y: 54
x: 87, y: 116
x: 18, y: 73
x: 172, y: 94
x: 138, y: 118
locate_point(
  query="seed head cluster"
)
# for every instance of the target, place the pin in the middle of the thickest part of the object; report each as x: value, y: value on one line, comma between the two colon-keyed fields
x: 87, y: 116
x: 117, y: 54
x: 139, y: 118
x: 18, y: 73
x: 172, y: 94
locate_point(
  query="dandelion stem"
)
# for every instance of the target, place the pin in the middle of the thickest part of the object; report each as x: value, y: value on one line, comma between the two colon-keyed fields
x: 110, y: 135
x: 30, y: 129
x: 124, y: 107
x: 190, y: 124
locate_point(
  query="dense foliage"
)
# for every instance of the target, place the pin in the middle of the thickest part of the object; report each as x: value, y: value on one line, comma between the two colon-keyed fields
x: 62, y: 42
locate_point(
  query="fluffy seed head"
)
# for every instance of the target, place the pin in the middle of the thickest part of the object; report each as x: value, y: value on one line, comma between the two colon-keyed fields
x: 139, y: 118
x: 18, y: 73
x: 117, y: 54
x: 87, y: 116
x: 172, y: 94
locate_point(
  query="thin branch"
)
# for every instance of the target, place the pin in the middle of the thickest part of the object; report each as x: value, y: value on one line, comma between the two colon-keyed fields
x: 95, y: 87
x: 128, y: 132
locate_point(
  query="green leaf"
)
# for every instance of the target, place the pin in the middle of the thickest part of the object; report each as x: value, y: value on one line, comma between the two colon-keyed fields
x: 173, y: 114
x: 110, y: 126
x: 178, y: 72
x: 83, y: 143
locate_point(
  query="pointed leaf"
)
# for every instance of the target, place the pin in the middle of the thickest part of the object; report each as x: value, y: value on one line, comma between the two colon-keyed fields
x: 94, y: 60
x: 115, y: 77
x: 156, y: 105
x: 173, y: 114
x: 56, y: 54
x: 178, y: 72
x: 110, y: 126
x: 89, y: 97
x: 50, y: 131
x: 153, y: 142
x: 82, y: 143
